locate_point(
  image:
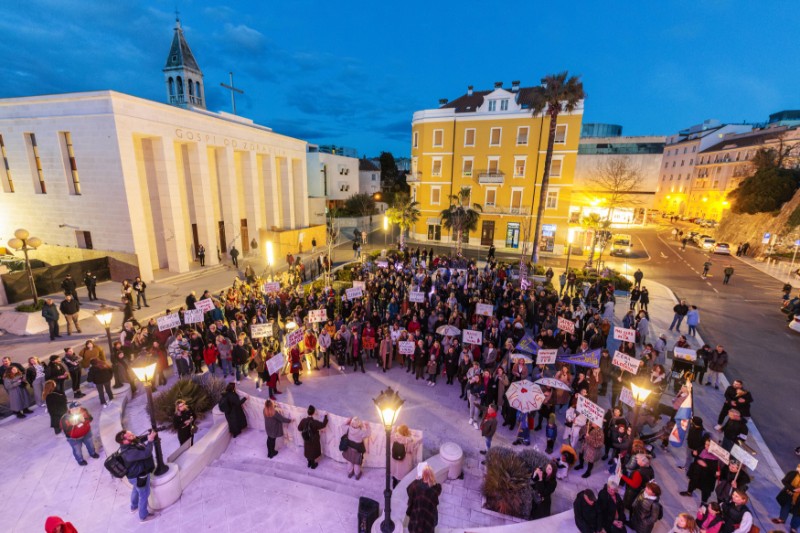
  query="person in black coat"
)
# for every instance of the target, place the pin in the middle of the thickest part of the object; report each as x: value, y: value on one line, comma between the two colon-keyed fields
x: 587, y: 516
x: 56, y: 402
x: 611, y: 508
x: 544, y: 485
x: 789, y: 499
x: 183, y: 421
x: 231, y: 405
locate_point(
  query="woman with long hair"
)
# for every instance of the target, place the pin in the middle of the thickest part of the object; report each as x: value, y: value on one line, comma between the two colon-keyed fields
x: 183, y: 421
x: 423, y: 502
x: 56, y: 402
x: 273, y: 425
x: 401, y: 437
x: 17, y: 388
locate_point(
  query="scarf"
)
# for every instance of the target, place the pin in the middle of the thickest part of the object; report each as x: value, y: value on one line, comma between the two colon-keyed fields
x: 494, y: 415
x: 795, y: 484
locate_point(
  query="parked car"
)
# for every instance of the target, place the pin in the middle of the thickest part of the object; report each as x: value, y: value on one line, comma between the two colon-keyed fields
x: 722, y: 248
x: 708, y: 244
x: 621, y: 244
x: 699, y: 238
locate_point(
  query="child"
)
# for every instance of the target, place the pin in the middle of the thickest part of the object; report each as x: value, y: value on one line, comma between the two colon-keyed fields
x: 551, y: 432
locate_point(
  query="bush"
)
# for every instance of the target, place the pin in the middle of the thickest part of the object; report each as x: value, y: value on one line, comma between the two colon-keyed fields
x: 506, y: 485
x: 30, y: 308
x: 765, y: 191
x: 212, y: 385
x: 194, y: 392
x: 794, y: 218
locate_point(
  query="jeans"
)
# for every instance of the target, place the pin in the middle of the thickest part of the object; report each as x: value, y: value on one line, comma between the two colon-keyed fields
x: 676, y: 322
x: 38, y: 387
x: 488, y: 443
x: 692, y: 330
x: 241, y: 372
x: 53, y: 325
x: 212, y: 368
x: 102, y: 393
x: 75, y: 378
x: 182, y: 366
x: 227, y: 367
x: 139, y: 496
x: 77, y: 446
x: 141, y: 298
x: 474, y: 408
x: 795, y: 523
x: 713, y: 377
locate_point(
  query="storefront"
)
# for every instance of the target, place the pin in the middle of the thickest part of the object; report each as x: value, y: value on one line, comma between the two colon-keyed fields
x: 548, y: 238
x: 512, y: 235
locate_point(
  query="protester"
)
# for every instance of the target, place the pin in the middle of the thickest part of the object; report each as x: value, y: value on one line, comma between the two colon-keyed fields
x: 183, y: 421
x: 544, y: 485
x: 423, y: 502
x: 357, y: 434
x: 231, y: 404
x: 401, y: 453
x: 76, y: 425
x: 56, y: 402
x: 18, y: 395
x: 309, y: 429
x: 100, y: 373
x: 789, y: 500
x: 610, y: 507
x: 138, y: 457
x: 273, y: 425
x: 647, y: 509
x: 587, y: 513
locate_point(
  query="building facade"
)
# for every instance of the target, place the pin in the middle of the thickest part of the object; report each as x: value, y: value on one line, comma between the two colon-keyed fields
x: 490, y: 142
x: 331, y: 176
x: 369, y: 176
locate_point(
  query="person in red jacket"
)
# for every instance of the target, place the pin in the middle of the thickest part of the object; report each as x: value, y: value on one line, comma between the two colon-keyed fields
x: 210, y: 356
x: 76, y: 424
x: 56, y: 524
x: 294, y: 357
x: 310, y: 346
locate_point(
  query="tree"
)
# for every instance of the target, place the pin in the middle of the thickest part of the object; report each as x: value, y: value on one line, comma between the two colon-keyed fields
x: 403, y: 213
x: 460, y: 217
x: 558, y: 93
x: 769, y: 187
x: 597, y: 224
x: 617, y: 179
x: 361, y: 205
x: 393, y: 182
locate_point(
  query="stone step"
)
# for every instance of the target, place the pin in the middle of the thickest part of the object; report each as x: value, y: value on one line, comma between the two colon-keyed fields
x: 184, y: 276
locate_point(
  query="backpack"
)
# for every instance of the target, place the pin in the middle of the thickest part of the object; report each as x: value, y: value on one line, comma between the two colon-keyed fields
x: 115, y: 464
x: 398, y: 451
x: 306, y: 433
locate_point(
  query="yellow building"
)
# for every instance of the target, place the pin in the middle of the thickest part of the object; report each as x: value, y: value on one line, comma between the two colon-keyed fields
x: 490, y: 142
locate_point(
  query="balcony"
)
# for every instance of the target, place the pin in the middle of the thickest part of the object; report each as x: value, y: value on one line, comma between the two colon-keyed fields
x: 491, y: 177
x: 413, y: 177
x: 501, y: 210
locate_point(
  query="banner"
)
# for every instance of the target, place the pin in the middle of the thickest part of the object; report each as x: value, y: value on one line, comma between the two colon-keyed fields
x: 192, y: 316
x: 528, y: 345
x: 622, y: 334
x: 205, y: 305
x: 416, y: 297
x: 743, y: 457
x: 360, y: 284
x: 723, y: 454
x: 590, y: 359
x: 382, y: 263
x: 259, y: 331
x: 484, y: 309
x: 626, y: 362
x: 566, y: 325
x: 626, y: 397
x: 684, y: 354
x: 272, y: 286
x: 276, y: 363
x: 546, y: 357
x: 405, y: 347
x: 295, y: 337
x: 355, y: 292
x: 368, y: 343
x: 590, y: 410
x: 318, y: 315
x: 470, y: 336
x: 553, y: 383
x: 168, y: 322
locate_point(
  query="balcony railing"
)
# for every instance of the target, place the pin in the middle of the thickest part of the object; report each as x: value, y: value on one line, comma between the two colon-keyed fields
x: 505, y: 210
x: 488, y: 177
x: 413, y: 177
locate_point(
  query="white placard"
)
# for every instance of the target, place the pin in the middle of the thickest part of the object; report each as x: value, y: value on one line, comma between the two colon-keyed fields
x: 259, y: 331
x: 566, y: 325
x: 362, y: 284
x: 382, y: 264
x: 272, y: 286
x: 295, y: 337
x: 626, y: 397
x: 626, y: 362
x: 192, y: 316
x: 590, y: 410
x: 318, y: 315
x: 723, y: 454
x: 484, y: 309
x: 743, y: 457
x: 168, y: 322
x: 470, y: 336
x: 205, y: 305
x: 416, y: 297
x: 276, y: 363
x: 546, y: 357
x: 355, y: 292
x: 623, y: 334
x: 684, y: 354
x: 405, y: 347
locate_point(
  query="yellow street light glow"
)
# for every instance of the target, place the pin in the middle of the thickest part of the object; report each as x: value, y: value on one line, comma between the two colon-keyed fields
x: 385, y: 223
x: 570, y: 235
x: 640, y: 394
x: 145, y: 373
x: 104, y: 318
x: 22, y: 234
x: 270, y: 254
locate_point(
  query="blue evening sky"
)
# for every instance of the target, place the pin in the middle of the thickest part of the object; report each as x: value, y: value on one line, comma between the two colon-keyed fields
x: 353, y: 72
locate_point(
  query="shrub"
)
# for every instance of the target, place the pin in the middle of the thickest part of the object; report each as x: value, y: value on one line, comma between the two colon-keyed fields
x: 506, y: 485
x: 187, y: 389
x: 794, y: 218
x: 30, y: 308
x: 212, y: 385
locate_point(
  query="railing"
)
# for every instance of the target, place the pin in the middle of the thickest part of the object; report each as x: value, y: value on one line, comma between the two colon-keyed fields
x: 502, y: 210
x: 490, y: 177
x: 414, y: 177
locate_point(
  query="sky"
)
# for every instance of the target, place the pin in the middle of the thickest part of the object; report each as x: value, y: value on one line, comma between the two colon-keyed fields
x: 352, y: 73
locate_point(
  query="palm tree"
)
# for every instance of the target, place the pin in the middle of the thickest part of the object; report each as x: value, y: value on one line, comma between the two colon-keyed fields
x: 460, y: 217
x: 595, y: 223
x: 558, y: 93
x: 403, y: 213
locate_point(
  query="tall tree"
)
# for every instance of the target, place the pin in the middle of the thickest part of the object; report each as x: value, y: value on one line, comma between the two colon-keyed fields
x: 460, y: 217
x: 616, y: 180
x: 360, y: 205
x: 558, y: 93
x: 403, y: 213
x: 595, y: 223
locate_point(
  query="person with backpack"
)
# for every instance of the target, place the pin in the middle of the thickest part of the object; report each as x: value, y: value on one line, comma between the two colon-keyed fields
x: 137, y: 456
x: 76, y: 424
x: 646, y: 509
x: 402, y: 456
x: 309, y: 429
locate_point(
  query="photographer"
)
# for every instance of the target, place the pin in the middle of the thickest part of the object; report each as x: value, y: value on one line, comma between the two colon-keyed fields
x: 138, y: 457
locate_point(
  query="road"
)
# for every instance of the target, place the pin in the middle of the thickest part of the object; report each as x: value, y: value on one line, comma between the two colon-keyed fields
x: 744, y: 317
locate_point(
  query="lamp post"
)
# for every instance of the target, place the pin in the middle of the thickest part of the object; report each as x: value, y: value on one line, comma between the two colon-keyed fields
x: 23, y: 241
x: 640, y: 394
x: 388, y: 404
x: 145, y: 371
x: 385, y: 229
x: 270, y: 256
x: 570, y: 240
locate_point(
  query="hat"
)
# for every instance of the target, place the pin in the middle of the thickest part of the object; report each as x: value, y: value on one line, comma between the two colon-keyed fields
x: 697, y: 421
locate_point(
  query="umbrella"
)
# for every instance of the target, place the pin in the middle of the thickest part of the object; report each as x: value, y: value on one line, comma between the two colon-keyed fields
x: 553, y: 383
x: 525, y: 357
x: 448, y: 331
x: 525, y: 396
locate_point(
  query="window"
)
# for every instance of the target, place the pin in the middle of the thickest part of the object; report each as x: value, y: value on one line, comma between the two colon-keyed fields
x: 494, y: 137
x: 344, y: 186
x: 512, y: 235
x: 8, y: 183
x: 466, y: 167
x: 438, y: 138
x: 684, y: 149
x: 503, y: 105
x: 681, y: 162
x: 84, y: 239
x: 492, y: 105
x: 516, y: 200
x: 469, y: 137
x: 491, y: 197
x: 436, y: 167
x: 36, y: 162
x: 522, y: 136
x: 70, y: 166
x: 519, y: 167
x: 436, y: 195
x: 673, y: 164
x: 691, y: 161
x: 414, y: 166
x: 666, y: 164
x: 494, y: 165
x: 694, y: 148
x: 416, y: 139
x: 561, y: 133
x: 434, y: 232
x: 679, y: 177
x: 555, y: 167
x: 552, y: 200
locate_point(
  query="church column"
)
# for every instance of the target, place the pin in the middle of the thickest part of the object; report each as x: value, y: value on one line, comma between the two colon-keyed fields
x: 139, y: 210
x: 251, y: 195
x: 171, y: 203
x: 228, y: 196
x: 300, y: 180
x: 272, y: 191
x: 203, y: 202
x: 287, y: 196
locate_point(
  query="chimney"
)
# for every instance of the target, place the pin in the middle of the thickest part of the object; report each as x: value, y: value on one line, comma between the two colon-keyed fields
x: 498, y: 85
x: 515, y: 86
x: 442, y: 101
x: 469, y: 90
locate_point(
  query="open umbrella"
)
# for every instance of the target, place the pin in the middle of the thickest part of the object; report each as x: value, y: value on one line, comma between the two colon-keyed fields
x: 553, y: 383
x: 525, y: 396
x: 525, y: 357
x: 448, y: 330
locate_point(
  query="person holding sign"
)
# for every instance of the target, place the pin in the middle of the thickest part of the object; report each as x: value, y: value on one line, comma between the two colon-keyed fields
x: 702, y: 473
x: 789, y: 499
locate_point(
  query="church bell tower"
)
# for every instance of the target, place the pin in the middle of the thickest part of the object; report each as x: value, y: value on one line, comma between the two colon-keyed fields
x: 182, y: 75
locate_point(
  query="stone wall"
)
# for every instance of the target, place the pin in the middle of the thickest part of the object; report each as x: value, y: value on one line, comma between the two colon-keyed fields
x: 123, y: 265
x: 738, y: 228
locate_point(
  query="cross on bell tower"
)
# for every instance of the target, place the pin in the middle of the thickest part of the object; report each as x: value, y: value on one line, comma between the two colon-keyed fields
x: 182, y: 75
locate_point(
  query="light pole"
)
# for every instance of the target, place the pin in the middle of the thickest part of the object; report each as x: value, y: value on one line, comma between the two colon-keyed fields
x: 570, y: 240
x: 640, y: 394
x: 145, y: 371
x: 270, y: 256
x: 388, y: 404
x: 23, y: 241
x: 385, y: 229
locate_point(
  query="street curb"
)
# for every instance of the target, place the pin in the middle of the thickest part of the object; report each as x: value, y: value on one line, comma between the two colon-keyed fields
x: 763, y: 272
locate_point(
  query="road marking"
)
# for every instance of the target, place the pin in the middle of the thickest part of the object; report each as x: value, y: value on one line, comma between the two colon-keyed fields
x: 663, y: 255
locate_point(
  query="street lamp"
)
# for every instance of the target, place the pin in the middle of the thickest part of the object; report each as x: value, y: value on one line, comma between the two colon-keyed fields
x: 104, y: 317
x: 270, y: 256
x: 23, y: 241
x: 385, y: 229
x: 388, y: 404
x: 640, y: 394
x: 145, y: 371
x: 570, y: 240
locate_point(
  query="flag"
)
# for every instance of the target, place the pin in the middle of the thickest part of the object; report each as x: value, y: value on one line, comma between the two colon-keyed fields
x: 682, y: 418
x: 590, y: 358
x: 528, y: 345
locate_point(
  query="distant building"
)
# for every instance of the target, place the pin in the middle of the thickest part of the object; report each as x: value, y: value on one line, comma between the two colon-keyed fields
x: 785, y: 118
x: 369, y: 176
x: 331, y: 176
x: 600, y: 130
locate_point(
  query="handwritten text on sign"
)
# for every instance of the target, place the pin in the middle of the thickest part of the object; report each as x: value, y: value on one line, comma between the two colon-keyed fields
x: 566, y: 325
x: 295, y: 337
x: 355, y: 292
x: 205, y: 305
x: 723, y: 454
x: 484, y: 309
x: 169, y: 321
x: 416, y: 297
x: 626, y: 362
x: 526, y: 398
x: 626, y: 397
x: 360, y: 284
x: 743, y: 457
x: 623, y: 334
x: 368, y: 343
x: 546, y: 357
x: 272, y: 286
x: 259, y: 331
x: 192, y: 316
x: 318, y: 315
x: 593, y: 412
x: 470, y: 336
x: 405, y: 347
x: 276, y: 363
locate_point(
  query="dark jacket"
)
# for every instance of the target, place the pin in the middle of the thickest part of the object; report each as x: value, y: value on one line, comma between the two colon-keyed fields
x: 423, y: 503
x: 231, y: 405
x: 545, y: 487
x: 98, y: 375
x: 138, y: 458
x: 587, y: 517
x: 56, y: 407
x: 645, y: 513
x: 69, y: 307
x: 312, y: 448
x: 785, y: 496
x: 681, y: 309
x: 50, y: 312
x: 273, y: 425
x: 610, y: 509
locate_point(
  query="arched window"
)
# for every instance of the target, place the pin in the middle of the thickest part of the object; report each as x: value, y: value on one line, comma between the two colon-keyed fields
x: 190, y: 86
x: 171, y: 87
x: 197, y: 91
x: 180, y: 85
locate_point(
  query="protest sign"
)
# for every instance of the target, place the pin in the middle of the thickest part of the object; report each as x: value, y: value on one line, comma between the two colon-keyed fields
x: 405, y: 347
x: 623, y: 334
x: 484, y: 309
x: 259, y: 331
x: 723, y: 454
x: 684, y: 354
x: 368, y: 343
x: 626, y: 362
x: 168, y: 322
x: 626, y: 397
x: 593, y: 412
x: 566, y: 325
x: 361, y: 284
x: 355, y: 292
x: 470, y: 336
x: 205, y: 305
x: 272, y: 286
x: 192, y: 316
x: 318, y: 315
x: 295, y: 337
x: 546, y: 357
x: 743, y: 457
x: 276, y: 363
x: 382, y: 264
x: 416, y: 297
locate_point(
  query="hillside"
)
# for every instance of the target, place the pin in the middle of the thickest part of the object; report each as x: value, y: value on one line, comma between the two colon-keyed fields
x: 736, y: 229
